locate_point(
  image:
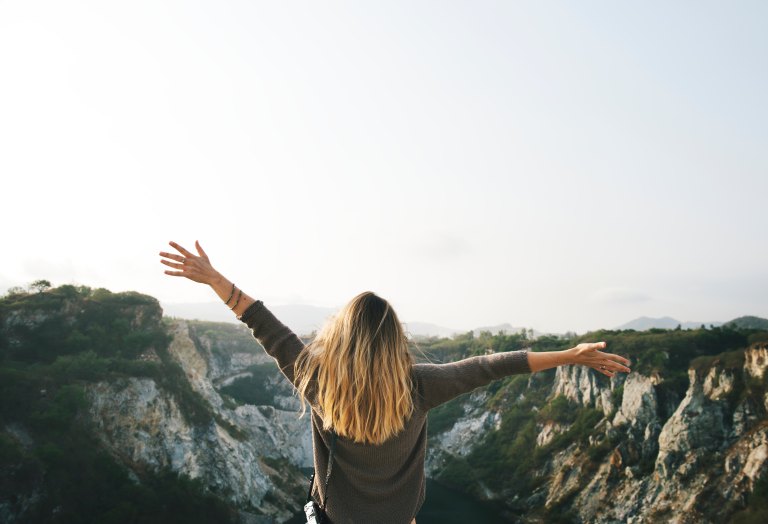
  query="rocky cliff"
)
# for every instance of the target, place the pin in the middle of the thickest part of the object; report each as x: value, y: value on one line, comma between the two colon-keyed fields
x: 652, y: 452
x: 145, y: 427
x: 151, y: 398
x: 683, y: 438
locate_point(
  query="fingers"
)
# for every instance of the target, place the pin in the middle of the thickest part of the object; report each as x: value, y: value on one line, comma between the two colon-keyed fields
x: 172, y: 264
x: 617, y: 358
x: 180, y: 249
x: 172, y: 256
x: 200, y: 250
x: 612, y: 367
x: 606, y: 363
x: 591, y: 346
x: 194, y: 267
x: 609, y: 367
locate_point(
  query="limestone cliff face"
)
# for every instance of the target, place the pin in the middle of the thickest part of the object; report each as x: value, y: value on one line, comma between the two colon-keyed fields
x: 756, y: 360
x: 580, y: 384
x: 459, y: 440
x: 279, y: 431
x: 143, y: 425
x: 694, y: 461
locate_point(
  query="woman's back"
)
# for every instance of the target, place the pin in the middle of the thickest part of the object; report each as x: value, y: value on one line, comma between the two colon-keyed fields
x: 380, y: 482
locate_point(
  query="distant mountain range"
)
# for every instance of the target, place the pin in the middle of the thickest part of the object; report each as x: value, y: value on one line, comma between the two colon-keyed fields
x: 305, y: 319
x: 302, y: 319
x: 645, y: 323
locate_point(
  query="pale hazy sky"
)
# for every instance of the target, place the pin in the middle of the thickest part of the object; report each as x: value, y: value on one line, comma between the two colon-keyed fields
x: 555, y: 165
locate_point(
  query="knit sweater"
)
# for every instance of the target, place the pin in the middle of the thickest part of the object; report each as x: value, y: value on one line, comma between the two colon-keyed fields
x: 380, y: 483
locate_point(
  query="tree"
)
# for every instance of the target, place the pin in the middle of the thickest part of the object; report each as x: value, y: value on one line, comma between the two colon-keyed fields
x: 15, y: 290
x: 40, y: 285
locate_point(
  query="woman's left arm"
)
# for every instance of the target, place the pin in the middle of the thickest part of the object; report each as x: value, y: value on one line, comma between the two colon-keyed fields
x: 198, y: 268
x: 586, y: 354
x: 278, y: 340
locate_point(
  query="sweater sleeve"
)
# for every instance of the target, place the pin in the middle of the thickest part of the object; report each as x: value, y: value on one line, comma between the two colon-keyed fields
x: 440, y: 383
x: 278, y: 340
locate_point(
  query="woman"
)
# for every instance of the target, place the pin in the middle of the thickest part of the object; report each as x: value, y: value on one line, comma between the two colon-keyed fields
x: 363, y: 387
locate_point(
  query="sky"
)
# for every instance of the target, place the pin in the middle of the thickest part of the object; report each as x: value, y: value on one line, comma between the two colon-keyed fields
x: 563, y: 166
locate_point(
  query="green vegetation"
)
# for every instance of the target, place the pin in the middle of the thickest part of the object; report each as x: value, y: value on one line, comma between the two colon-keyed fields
x: 53, y: 342
x: 668, y: 352
x: 256, y: 388
x: 443, y: 417
x: 730, y: 360
x: 223, y: 338
x: 749, y: 322
x: 504, y: 460
x: 467, y: 345
x: 39, y: 327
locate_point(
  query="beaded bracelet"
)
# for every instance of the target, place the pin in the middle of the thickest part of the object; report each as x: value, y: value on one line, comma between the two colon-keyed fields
x: 226, y: 303
x: 240, y: 294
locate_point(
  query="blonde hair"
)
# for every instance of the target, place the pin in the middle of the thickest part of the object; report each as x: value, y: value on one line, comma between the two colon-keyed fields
x: 358, y: 369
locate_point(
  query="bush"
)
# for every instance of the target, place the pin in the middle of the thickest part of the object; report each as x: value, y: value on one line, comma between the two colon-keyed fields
x: 59, y: 413
x: 255, y: 389
x: 559, y: 409
x: 10, y: 451
x: 443, y: 417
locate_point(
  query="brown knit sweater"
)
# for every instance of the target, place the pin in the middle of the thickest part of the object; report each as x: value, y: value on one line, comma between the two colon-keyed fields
x: 385, y: 483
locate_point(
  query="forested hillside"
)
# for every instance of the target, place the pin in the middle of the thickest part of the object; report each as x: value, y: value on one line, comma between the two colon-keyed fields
x: 682, y: 438
x: 108, y: 414
x: 111, y: 413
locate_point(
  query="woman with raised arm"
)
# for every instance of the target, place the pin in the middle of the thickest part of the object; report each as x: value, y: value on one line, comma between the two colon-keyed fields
x: 369, y: 400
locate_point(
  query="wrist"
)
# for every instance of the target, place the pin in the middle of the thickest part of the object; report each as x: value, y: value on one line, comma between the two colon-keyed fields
x: 217, y: 280
x: 568, y: 356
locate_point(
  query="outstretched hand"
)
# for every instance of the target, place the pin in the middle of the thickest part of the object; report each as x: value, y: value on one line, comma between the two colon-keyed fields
x: 589, y: 354
x: 194, y: 267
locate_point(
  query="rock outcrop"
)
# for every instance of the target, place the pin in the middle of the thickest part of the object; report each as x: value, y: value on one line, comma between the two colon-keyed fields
x: 696, y: 463
x: 145, y: 427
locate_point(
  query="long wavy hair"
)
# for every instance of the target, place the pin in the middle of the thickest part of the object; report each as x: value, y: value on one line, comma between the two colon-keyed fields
x: 358, y: 371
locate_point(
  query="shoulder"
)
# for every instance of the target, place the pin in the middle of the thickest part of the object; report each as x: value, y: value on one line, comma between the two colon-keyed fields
x: 421, y: 375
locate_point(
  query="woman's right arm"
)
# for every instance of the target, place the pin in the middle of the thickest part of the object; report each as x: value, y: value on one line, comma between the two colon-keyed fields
x: 442, y: 382
x: 586, y: 354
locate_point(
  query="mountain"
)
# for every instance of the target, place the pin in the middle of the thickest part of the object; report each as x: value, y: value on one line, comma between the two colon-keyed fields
x: 302, y: 319
x: 509, y: 329
x: 425, y: 329
x: 500, y: 328
x: 749, y: 322
x: 110, y: 412
x: 645, y: 323
x: 682, y: 438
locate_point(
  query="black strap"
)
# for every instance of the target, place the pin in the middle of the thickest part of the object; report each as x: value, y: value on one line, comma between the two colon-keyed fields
x: 328, y: 475
x: 311, y: 480
x: 330, y: 466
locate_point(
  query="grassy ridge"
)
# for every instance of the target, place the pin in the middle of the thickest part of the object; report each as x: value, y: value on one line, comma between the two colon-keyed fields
x: 52, y: 344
